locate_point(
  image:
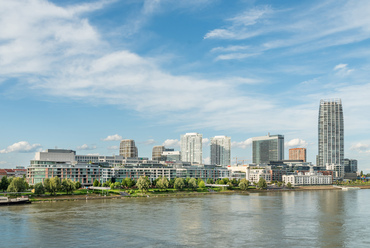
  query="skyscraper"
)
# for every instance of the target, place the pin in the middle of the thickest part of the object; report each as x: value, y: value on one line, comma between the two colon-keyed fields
x: 331, y: 133
x: 268, y: 148
x: 128, y: 149
x: 220, y: 150
x: 157, y: 152
x: 297, y: 154
x: 191, y: 148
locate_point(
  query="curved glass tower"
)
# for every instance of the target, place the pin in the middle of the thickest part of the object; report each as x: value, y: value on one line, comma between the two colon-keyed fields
x: 331, y: 133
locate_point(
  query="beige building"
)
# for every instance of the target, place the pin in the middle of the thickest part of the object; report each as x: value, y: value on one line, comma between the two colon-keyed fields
x: 128, y: 149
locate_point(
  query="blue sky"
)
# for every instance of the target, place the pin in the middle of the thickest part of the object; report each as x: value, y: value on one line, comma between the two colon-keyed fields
x: 84, y: 74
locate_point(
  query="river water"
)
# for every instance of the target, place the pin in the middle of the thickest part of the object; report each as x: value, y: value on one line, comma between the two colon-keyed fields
x: 286, y: 219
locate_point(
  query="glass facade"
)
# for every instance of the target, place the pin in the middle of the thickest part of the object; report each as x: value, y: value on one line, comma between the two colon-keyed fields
x: 331, y: 133
x: 268, y: 148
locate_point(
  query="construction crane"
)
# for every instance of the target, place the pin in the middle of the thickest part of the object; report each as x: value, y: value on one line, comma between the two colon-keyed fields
x: 241, y: 159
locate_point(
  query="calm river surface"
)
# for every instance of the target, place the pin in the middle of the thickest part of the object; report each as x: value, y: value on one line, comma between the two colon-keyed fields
x: 285, y: 219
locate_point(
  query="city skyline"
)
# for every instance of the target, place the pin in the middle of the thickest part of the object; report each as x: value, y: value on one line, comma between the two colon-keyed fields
x: 84, y: 75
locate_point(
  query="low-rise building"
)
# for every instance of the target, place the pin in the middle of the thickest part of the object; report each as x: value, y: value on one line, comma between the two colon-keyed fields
x: 308, y: 178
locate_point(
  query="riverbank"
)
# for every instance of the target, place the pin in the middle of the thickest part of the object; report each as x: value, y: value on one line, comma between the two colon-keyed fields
x: 174, y: 193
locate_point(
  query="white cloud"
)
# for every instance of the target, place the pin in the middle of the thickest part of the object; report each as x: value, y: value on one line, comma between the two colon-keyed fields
x: 207, y: 160
x: 205, y: 141
x: 171, y: 143
x: 3, y: 162
x: 22, y: 147
x: 86, y: 147
x: 114, y: 137
x: 113, y: 148
x: 360, y: 147
x: 242, y: 144
x: 340, y: 66
x: 296, y: 143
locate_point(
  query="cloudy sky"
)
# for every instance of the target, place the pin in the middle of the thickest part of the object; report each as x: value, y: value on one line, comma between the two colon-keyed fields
x: 83, y: 75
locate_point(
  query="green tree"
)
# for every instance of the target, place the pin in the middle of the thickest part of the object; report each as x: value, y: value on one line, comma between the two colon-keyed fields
x: 129, y: 182
x: 244, y: 184
x: 162, y: 183
x: 17, y: 185
x: 179, y: 184
x: 123, y: 183
x: 111, y: 186
x: 55, y: 184
x: 209, y: 181
x: 171, y: 183
x: 289, y: 185
x: 96, y: 183
x: 262, y: 183
x: 117, y: 185
x: 4, y: 184
x: 78, y: 185
x: 47, y: 185
x: 279, y: 184
x: 234, y: 182
x: 143, y: 184
x: 68, y: 185
x: 192, y: 184
x: 226, y: 180
x: 39, y: 189
x: 202, y: 185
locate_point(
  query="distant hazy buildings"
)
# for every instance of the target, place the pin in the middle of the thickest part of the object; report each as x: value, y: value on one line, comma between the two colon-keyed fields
x: 331, y: 133
x: 128, y: 149
x: 268, y: 148
x: 191, y: 148
x: 297, y: 154
x: 157, y: 153
x: 171, y: 156
x: 220, y: 150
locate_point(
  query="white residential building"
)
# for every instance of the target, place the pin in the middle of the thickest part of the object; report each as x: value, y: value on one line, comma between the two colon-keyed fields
x: 308, y: 178
x: 220, y: 150
x: 191, y: 148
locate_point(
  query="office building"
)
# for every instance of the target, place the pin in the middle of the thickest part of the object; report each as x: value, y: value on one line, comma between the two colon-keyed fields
x: 297, y: 154
x: 220, y: 150
x: 331, y: 133
x: 128, y: 149
x: 268, y: 148
x: 191, y: 148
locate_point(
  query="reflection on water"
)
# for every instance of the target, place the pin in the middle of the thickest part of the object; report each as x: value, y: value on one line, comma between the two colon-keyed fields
x: 298, y: 219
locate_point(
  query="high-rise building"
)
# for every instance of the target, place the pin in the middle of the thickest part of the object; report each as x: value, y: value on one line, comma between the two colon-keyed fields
x: 128, y: 149
x: 157, y: 152
x: 297, y: 154
x: 268, y: 148
x: 331, y: 133
x: 191, y: 148
x: 220, y: 150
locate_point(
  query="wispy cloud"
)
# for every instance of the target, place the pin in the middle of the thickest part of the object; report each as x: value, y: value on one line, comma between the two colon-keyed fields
x: 114, y: 137
x: 171, y: 143
x: 360, y: 147
x: 148, y: 142
x: 86, y: 147
x: 22, y: 147
x: 113, y: 148
x: 238, y: 28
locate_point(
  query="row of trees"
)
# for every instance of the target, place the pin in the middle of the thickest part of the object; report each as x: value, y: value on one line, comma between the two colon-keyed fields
x: 54, y: 185
x: 13, y: 184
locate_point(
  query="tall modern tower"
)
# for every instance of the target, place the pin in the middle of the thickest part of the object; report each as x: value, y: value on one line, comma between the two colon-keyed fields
x: 220, y: 150
x: 331, y: 133
x: 191, y: 148
x: 268, y: 148
x: 128, y: 149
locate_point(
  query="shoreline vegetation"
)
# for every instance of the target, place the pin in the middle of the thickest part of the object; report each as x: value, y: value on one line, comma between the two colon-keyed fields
x: 85, y: 194
x: 54, y: 189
